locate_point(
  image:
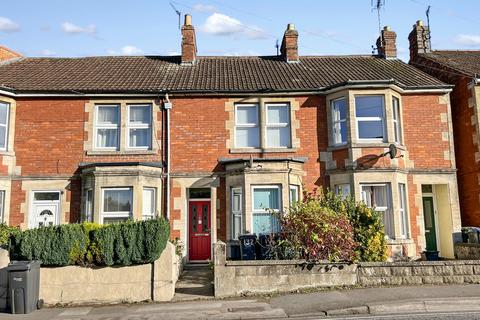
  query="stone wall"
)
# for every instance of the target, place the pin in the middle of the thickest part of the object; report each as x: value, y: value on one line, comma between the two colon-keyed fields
x: 467, y: 251
x: 79, y: 285
x: 234, y: 278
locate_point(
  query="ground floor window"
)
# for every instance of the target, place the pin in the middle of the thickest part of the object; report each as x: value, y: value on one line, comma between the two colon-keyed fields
x: 2, y: 206
x: 294, y: 193
x: 237, y: 212
x: 378, y: 196
x: 89, y: 205
x: 265, y: 200
x: 149, y: 201
x: 342, y: 190
x: 403, y: 211
x: 117, y: 204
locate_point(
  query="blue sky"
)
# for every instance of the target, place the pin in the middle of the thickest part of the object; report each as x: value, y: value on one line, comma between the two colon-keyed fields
x: 225, y: 27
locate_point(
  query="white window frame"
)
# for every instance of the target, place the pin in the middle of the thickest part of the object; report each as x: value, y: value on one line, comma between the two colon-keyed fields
x: 403, y: 207
x: 2, y: 206
x: 248, y: 125
x: 116, y: 214
x: 389, y: 230
x: 236, y: 214
x: 139, y: 126
x: 277, y: 125
x: 397, y: 124
x: 6, y: 125
x: 151, y: 215
x: 98, y: 126
x: 263, y: 211
x: 89, y: 205
x: 362, y: 119
x: 343, y: 190
x: 337, y: 122
x: 296, y: 190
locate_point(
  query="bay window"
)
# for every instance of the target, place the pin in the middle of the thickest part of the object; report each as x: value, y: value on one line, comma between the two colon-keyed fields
x: 294, y: 193
x: 370, y: 117
x: 266, y: 199
x: 149, y: 198
x: 342, y: 190
x: 403, y: 211
x: 117, y: 204
x: 107, y: 124
x: 89, y: 206
x: 339, y: 121
x: 378, y: 197
x: 278, y: 125
x: 139, y: 126
x: 4, y: 113
x: 397, y: 128
x: 237, y: 213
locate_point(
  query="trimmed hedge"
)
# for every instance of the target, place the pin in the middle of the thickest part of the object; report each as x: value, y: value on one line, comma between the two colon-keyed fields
x: 90, y: 244
x: 5, y: 233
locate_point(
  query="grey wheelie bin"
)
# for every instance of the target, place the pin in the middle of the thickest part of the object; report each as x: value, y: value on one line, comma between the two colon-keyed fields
x: 23, y: 286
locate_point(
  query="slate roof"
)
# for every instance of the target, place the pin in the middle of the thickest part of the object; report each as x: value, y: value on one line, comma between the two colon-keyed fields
x: 466, y: 62
x: 144, y: 74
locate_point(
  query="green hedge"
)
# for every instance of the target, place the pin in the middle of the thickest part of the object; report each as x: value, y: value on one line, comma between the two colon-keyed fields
x: 92, y: 244
x: 5, y: 233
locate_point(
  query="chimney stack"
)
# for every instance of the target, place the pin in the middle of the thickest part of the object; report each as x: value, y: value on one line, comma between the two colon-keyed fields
x: 387, y: 44
x: 419, y: 39
x: 289, y: 48
x: 8, y: 54
x: 189, y: 43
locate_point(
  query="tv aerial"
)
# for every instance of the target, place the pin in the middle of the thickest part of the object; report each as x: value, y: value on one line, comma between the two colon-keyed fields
x: 179, y: 14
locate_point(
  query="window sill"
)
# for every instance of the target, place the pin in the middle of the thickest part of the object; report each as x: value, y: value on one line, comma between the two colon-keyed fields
x: 7, y: 153
x: 120, y: 152
x: 376, y: 145
x: 398, y: 241
x: 268, y: 150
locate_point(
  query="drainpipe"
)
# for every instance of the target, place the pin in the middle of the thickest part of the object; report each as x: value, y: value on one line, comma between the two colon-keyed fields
x: 168, y: 106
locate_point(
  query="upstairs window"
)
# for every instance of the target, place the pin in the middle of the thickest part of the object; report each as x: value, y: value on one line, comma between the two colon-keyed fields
x: 370, y: 115
x: 247, y: 132
x: 397, y: 128
x: 339, y: 120
x: 4, y: 113
x: 139, y: 126
x: 278, y: 126
x: 107, y: 127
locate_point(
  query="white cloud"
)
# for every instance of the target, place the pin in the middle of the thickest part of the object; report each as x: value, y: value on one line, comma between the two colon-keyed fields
x: 71, y: 28
x: 469, y: 40
x: 204, y: 8
x: 223, y: 25
x: 47, y: 53
x: 126, y: 51
x: 8, y: 25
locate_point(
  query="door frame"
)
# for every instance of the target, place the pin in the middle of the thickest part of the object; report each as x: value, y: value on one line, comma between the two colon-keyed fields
x: 32, y: 203
x: 435, y: 216
x: 187, y: 226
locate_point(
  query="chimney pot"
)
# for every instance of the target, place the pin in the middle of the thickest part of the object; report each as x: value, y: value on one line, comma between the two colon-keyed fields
x: 290, y: 26
x: 387, y: 28
x: 188, y: 20
x: 419, y: 23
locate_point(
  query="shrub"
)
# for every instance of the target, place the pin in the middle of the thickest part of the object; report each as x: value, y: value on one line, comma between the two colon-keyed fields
x: 90, y: 244
x: 368, y: 230
x: 5, y: 233
x: 317, y: 232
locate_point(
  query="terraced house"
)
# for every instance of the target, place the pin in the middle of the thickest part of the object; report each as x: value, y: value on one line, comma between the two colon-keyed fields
x: 210, y: 142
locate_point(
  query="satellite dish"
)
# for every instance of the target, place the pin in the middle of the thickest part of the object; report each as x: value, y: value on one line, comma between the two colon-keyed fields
x: 392, y: 151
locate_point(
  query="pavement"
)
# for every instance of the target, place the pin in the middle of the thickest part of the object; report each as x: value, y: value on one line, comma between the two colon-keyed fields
x: 335, y: 304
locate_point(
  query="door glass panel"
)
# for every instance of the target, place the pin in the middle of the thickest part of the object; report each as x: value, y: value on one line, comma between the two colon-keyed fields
x: 194, y: 218
x: 428, y: 213
x: 46, y: 196
x: 427, y: 188
x: 205, y: 218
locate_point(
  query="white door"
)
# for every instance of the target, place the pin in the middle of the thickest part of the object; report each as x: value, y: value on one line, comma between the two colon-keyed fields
x: 45, y: 208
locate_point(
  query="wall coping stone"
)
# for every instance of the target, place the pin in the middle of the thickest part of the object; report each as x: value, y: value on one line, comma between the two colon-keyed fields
x: 283, y: 262
x: 419, y: 263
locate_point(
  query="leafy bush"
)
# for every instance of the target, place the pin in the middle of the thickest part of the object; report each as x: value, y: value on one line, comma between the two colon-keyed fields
x: 90, y: 244
x: 317, y: 232
x: 368, y: 230
x: 5, y: 233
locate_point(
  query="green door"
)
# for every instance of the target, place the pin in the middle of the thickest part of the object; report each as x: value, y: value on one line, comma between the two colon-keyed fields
x: 429, y: 216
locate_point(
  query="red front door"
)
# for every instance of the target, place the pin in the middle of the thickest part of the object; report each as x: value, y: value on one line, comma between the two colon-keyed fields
x: 199, y: 230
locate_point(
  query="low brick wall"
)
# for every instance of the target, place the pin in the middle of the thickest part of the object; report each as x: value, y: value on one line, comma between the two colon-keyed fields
x: 421, y: 272
x: 78, y: 285
x: 467, y: 251
x: 234, y: 278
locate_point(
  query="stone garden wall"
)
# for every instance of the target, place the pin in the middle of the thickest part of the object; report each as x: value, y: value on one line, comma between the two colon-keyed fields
x: 235, y: 278
x: 467, y: 251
